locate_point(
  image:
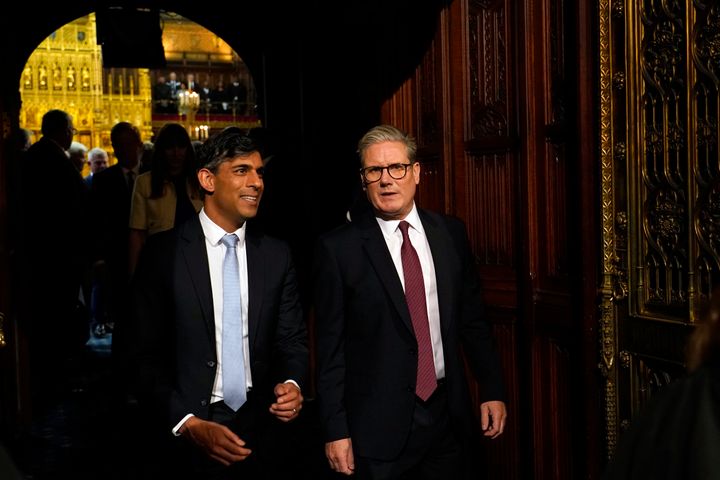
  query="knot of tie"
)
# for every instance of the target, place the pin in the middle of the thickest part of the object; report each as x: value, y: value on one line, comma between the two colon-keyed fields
x: 404, y: 226
x: 230, y: 240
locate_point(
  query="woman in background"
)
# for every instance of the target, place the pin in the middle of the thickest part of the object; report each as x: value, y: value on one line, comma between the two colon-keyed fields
x: 168, y: 193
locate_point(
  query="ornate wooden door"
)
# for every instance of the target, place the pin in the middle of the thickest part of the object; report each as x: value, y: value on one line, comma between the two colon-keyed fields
x: 659, y: 79
x: 502, y: 108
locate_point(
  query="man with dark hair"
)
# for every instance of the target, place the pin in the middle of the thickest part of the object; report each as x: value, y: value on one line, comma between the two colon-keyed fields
x: 111, y: 192
x: 220, y: 341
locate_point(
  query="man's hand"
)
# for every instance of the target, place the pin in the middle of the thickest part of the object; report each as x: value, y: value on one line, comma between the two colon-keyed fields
x: 340, y: 455
x: 217, y: 441
x: 492, y: 418
x: 288, y: 403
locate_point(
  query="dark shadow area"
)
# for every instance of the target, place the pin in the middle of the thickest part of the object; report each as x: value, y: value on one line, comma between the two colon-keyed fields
x: 91, y: 431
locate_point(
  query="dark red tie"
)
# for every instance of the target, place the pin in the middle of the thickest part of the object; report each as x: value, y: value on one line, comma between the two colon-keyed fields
x: 415, y: 297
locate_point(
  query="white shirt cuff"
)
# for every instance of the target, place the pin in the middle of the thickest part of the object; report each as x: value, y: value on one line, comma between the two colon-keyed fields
x: 175, y: 431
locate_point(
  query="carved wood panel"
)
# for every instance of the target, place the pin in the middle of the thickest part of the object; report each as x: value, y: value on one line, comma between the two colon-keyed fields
x: 660, y: 175
x: 489, y: 104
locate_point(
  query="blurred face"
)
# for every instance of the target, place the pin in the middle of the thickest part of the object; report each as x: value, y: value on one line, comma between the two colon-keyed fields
x: 128, y: 149
x: 175, y: 156
x: 67, y: 139
x: 392, y: 199
x: 78, y: 159
x: 98, y: 163
x: 234, y: 191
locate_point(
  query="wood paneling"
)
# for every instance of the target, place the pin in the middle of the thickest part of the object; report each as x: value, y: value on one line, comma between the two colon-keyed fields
x: 495, y: 103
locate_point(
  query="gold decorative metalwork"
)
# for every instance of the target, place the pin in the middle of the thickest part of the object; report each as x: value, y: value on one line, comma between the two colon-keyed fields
x: 607, y: 308
x: 3, y: 342
x: 94, y: 104
x: 659, y: 67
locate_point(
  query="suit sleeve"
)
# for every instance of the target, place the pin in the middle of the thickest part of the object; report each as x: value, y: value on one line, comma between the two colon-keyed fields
x: 150, y: 346
x: 291, y: 334
x: 330, y: 329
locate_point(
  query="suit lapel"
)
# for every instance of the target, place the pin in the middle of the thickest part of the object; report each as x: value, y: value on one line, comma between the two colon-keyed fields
x: 256, y: 282
x: 193, y: 251
x: 377, y: 252
x: 438, y: 239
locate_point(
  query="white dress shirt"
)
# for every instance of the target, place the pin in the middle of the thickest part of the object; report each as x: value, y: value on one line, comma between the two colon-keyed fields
x: 394, y: 240
x: 216, y: 254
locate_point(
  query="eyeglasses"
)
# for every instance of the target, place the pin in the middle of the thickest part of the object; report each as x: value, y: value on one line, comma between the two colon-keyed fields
x: 374, y: 174
x: 73, y: 130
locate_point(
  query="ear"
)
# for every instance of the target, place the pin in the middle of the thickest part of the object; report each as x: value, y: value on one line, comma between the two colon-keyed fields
x: 416, y: 172
x: 206, y: 179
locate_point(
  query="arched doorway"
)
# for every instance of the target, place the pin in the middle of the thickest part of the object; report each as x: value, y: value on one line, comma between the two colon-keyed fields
x: 200, y: 82
x: 315, y: 101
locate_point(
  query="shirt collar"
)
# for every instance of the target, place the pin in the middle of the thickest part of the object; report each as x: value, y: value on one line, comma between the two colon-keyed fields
x: 389, y: 227
x: 213, y: 233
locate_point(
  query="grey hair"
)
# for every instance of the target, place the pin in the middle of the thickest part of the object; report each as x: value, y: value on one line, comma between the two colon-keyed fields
x: 387, y: 133
x: 77, y: 147
x: 97, y: 152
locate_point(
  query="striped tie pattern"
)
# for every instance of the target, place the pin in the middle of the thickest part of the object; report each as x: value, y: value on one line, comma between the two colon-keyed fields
x: 233, y: 358
x: 415, y: 298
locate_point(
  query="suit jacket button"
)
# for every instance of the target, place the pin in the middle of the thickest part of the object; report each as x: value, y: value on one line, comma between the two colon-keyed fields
x: 203, y: 403
x: 412, y: 351
x: 210, y: 363
x: 410, y: 389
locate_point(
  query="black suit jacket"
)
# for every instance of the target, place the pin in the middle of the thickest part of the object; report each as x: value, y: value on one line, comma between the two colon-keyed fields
x: 367, y: 357
x: 52, y: 254
x: 676, y: 434
x: 110, y: 203
x: 174, y: 341
x: 53, y: 199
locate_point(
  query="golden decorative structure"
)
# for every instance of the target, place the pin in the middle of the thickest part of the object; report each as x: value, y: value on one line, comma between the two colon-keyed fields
x: 95, y: 103
x: 188, y: 105
x: 65, y: 72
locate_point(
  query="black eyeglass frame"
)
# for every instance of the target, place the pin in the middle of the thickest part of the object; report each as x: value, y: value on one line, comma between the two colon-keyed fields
x: 364, y: 171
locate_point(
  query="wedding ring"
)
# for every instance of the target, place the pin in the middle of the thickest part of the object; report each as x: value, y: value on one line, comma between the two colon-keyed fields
x: 294, y: 410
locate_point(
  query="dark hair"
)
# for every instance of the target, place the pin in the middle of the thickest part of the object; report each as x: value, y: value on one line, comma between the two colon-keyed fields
x: 121, y: 127
x: 18, y: 140
x: 54, y: 122
x: 170, y: 135
x: 223, y: 146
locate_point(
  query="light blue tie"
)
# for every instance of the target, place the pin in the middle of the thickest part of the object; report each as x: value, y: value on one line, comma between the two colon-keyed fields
x: 233, y: 358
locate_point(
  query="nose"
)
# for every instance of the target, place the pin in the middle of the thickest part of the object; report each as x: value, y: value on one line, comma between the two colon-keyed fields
x: 255, y: 180
x: 385, y: 178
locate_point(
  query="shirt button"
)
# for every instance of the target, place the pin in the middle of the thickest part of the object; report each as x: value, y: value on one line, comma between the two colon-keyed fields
x: 210, y: 363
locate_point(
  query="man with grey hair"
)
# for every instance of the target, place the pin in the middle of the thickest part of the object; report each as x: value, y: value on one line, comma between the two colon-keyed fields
x: 397, y: 304
x: 77, y: 154
x: 98, y: 161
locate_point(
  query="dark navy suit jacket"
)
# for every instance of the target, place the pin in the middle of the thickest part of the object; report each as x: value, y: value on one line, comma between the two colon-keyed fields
x: 174, y: 325
x: 366, y: 355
